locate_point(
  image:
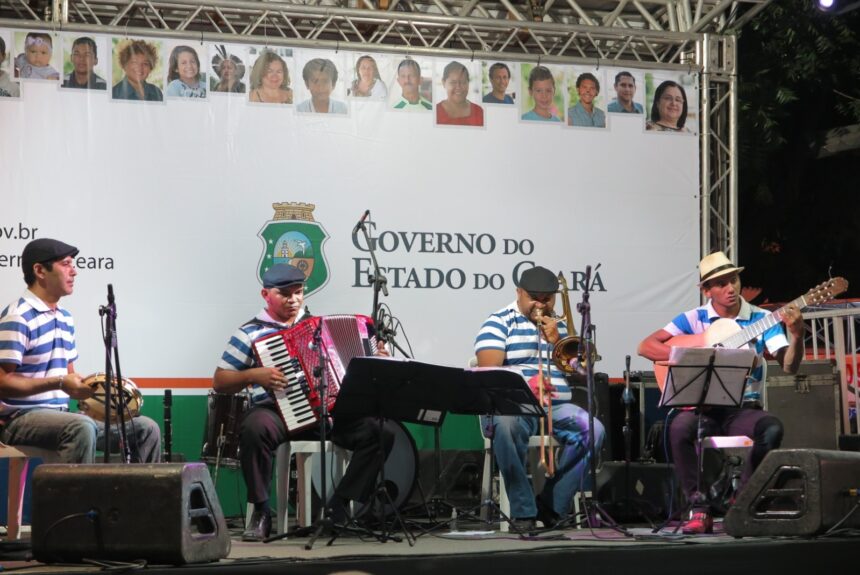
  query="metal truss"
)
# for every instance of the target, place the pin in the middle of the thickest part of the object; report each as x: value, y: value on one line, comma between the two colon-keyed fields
x: 693, y: 35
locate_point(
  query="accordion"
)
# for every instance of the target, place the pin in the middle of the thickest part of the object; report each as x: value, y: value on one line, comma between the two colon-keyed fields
x: 293, y: 351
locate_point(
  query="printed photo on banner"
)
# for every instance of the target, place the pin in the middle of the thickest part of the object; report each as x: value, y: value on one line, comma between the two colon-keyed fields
x: 544, y: 101
x: 585, y: 104
x: 137, y: 70
x: 499, y: 81
x: 271, y: 75
x: 366, y: 80
x: 227, y: 69
x: 9, y: 87
x: 322, y: 89
x: 83, y: 69
x: 185, y: 76
x: 35, y: 56
x: 457, y: 87
x: 627, y: 94
x: 414, y: 90
x: 671, y: 101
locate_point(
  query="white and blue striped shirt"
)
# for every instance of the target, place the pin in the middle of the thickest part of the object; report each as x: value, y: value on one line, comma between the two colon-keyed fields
x: 239, y: 355
x: 39, y: 342
x: 699, y: 319
x: 510, y: 331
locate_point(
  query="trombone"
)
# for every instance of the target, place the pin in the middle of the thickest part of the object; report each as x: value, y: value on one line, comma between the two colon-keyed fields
x: 545, y: 423
x: 567, y: 349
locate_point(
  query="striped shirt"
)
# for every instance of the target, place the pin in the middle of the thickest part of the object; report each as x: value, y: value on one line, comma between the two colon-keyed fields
x: 510, y: 331
x: 698, y: 320
x: 239, y: 354
x: 40, y: 343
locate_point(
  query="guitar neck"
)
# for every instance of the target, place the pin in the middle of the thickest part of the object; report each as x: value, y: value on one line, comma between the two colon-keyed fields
x: 755, y: 329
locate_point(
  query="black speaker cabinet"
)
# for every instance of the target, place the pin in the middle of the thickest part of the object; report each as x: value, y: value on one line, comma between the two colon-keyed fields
x: 797, y: 492
x: 642, y: 491
x: 164, y: 513
x: 579, y: 396
x: 808, y: 403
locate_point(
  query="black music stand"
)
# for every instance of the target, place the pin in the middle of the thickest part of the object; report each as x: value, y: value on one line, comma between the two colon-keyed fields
x: 705, y: 377
x: 416, y: 392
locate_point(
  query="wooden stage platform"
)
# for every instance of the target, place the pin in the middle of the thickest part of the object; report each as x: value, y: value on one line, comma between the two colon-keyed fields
x: 473, y: 549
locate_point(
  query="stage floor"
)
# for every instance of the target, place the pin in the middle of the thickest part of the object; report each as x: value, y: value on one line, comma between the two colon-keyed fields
x: 472, y: 549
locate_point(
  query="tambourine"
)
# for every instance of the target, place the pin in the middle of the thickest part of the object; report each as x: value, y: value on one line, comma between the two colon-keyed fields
x: 126, y: 397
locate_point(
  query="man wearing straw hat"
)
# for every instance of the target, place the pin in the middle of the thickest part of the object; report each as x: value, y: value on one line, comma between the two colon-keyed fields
x: 720, y: 283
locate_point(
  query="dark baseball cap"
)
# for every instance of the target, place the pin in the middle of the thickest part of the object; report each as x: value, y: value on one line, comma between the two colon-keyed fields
x: 45, y: 250
x: 283, y: 275
x: 538, y: 280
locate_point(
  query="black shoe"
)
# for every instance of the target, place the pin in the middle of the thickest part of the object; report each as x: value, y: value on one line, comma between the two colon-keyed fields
x: 523, y: 525
x: 545, y: 514
x: 338, y: 510
x: 259, y: 528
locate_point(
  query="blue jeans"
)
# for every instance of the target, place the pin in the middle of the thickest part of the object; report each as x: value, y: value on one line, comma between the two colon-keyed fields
x: 75, y: 437
x: 510, y: 444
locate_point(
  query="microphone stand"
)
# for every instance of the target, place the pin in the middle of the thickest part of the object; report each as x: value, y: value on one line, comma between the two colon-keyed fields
x: 627, y: 400
x: 595, y: 515
x: 112, y: 353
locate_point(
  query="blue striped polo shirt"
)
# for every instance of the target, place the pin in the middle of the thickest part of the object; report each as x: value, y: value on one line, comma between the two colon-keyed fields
x: 239, y: 355
x: 699, y: 319
x: 40, y: 342
x: 510, y: 331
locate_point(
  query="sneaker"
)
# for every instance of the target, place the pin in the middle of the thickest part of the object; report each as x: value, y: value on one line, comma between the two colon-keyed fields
x: 700, y: 523
x: 259, y: 528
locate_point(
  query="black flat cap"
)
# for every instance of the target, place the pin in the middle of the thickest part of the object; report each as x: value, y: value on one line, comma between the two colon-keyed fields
x: 538, y: 280
x: 283, y: 275
x: 45, y: 250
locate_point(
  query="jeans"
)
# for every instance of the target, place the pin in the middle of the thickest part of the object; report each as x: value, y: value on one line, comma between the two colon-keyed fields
x: 75, y: 437
x: 511, y: 437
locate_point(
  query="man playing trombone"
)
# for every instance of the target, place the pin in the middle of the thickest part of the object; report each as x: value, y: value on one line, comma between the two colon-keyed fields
x: 521, y: 336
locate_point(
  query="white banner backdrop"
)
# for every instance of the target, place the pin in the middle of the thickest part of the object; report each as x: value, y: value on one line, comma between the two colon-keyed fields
x: 167, y: 202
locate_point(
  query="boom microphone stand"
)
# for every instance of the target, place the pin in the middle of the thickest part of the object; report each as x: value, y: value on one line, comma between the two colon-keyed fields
x: 112, y: 355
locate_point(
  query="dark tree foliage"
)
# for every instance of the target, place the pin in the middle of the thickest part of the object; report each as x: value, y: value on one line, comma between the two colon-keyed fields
x: 799, y: 216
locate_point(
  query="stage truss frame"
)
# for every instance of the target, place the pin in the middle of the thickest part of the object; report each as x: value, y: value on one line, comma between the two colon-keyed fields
x: 694, y: 35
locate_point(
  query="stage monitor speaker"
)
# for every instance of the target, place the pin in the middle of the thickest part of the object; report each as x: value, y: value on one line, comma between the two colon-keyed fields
x: 797, y: 492
x: 164, y: 513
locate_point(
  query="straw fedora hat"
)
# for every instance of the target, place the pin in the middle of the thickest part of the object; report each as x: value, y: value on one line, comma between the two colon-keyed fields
x: 715, y: 265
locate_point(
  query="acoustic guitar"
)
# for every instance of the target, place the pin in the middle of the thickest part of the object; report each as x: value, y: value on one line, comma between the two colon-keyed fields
x: 728, y: 334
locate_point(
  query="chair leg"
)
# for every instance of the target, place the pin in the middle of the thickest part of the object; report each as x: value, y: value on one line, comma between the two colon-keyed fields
x: 282, y: 486
x: 303, y: 497
x: 486, y: 478
x: 504, y: 504
x: 17, y: 481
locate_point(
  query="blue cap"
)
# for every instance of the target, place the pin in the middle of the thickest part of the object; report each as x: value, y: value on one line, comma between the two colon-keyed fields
x: 283, y: 275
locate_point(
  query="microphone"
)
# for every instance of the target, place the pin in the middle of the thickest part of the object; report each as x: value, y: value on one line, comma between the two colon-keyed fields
x: 110, y: 295
x: 360, y: 223
x: 627, y: 395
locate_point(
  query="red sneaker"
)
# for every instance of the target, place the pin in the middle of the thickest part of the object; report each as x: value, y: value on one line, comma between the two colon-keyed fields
x: 700, y: 523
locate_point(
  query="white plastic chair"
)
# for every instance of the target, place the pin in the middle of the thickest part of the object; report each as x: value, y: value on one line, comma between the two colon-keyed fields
x: 303, y: 450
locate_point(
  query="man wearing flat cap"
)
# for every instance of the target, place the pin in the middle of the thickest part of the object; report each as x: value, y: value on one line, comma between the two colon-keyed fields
x: 720, y: 283
x: 262, y: 430
x: 37, y: 374
x: 509, y: 337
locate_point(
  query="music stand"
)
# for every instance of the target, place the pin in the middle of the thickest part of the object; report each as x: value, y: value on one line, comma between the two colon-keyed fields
x: 416, y: 392
x: 705, y: 377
